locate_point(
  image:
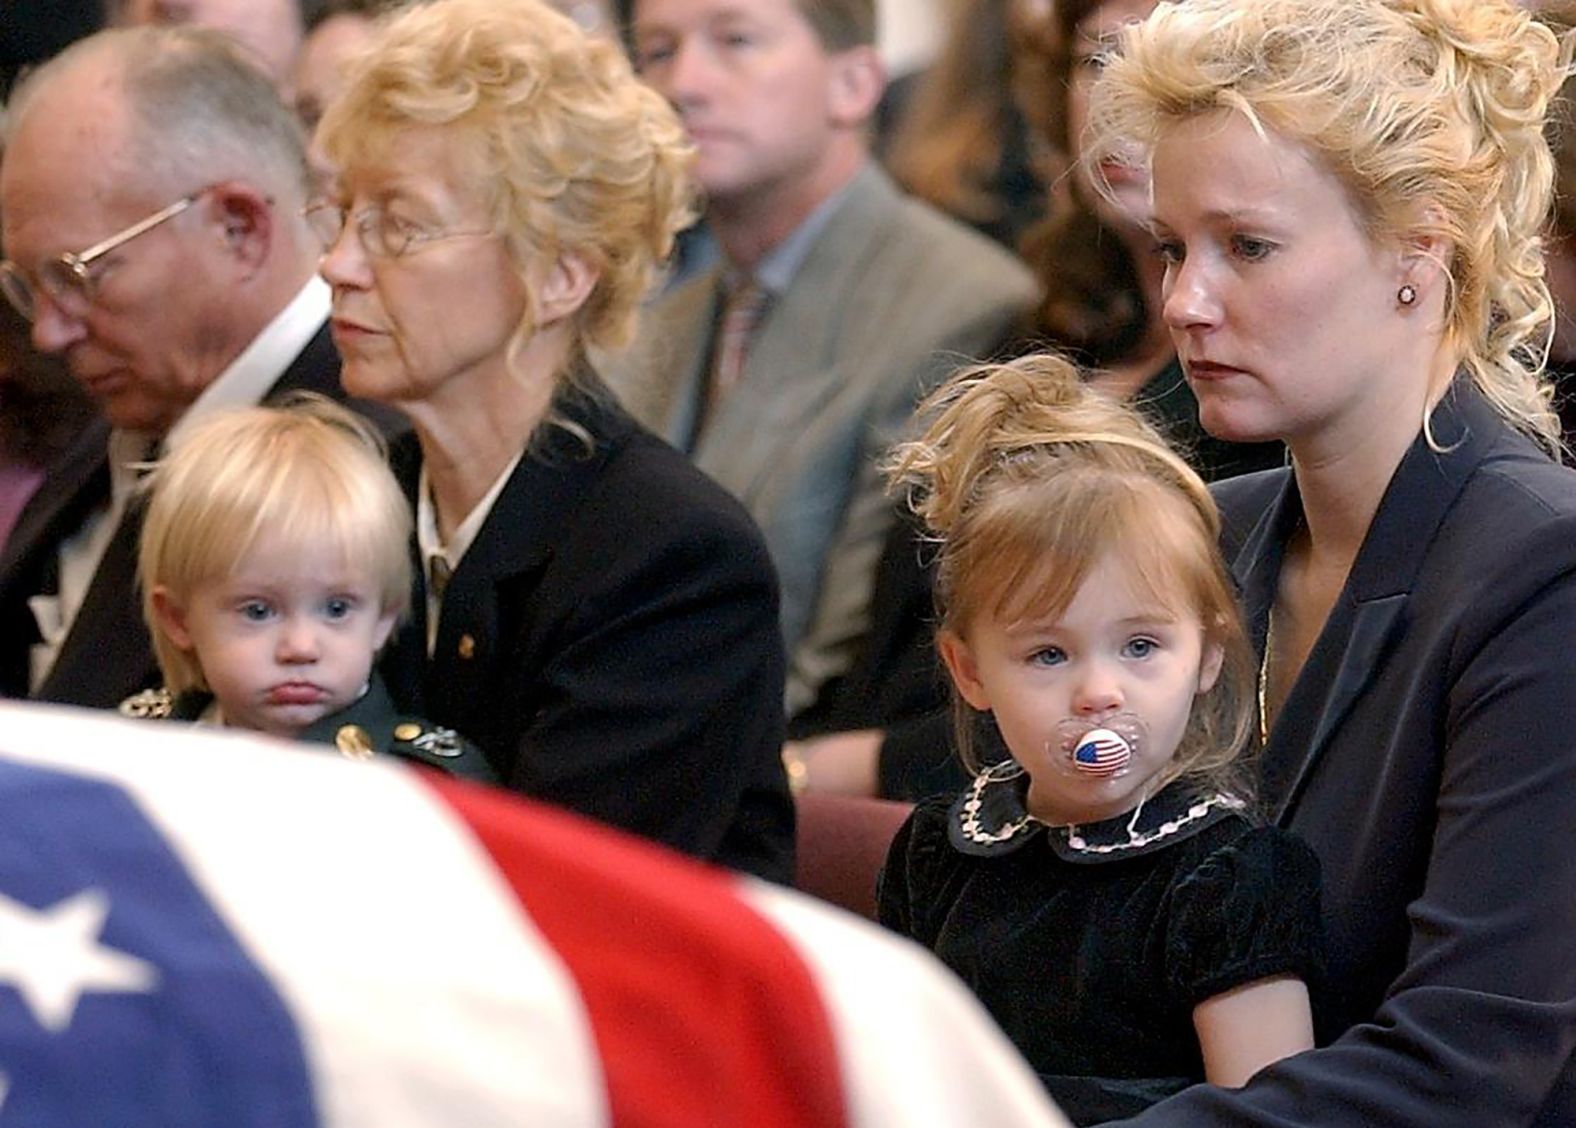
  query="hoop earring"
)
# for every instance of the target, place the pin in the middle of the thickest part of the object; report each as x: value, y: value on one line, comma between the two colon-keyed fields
x: 1407, y: 294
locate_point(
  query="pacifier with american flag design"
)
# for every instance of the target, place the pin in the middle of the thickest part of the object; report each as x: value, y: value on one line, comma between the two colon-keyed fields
x: 1102, y: 748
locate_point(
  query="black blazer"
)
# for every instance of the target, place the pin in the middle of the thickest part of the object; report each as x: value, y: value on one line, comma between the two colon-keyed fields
x: 1427, y: 752
x: 611, y: 641
x: 108, y: 655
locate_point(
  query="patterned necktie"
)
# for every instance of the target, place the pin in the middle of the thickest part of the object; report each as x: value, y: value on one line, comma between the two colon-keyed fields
x: 438, y: 574
x: 737, y: 325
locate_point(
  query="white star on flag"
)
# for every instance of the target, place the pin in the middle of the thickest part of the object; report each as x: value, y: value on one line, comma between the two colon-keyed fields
x: 52, y: 956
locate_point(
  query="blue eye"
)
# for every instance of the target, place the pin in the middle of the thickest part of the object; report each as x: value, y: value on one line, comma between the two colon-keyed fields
x: 1048, y: 656
x: 1251, y: 249
x: 255, y: 611
x: 339, y: 607
x: 1140, y: 648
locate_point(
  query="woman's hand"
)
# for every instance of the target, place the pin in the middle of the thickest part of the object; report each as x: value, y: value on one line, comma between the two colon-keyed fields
x: 843, y: 763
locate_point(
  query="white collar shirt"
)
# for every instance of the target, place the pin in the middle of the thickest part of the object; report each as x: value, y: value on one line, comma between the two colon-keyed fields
x: 440, y: 560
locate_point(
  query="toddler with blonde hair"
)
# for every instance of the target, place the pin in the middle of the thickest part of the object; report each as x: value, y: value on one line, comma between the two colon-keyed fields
x: 275, y: 564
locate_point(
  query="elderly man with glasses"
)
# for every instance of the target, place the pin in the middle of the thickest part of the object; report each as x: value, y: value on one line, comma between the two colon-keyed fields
x: 151, y: 204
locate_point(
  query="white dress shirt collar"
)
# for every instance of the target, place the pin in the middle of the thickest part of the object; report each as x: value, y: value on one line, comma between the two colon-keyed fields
x: 260, y: 365
x: 435, y: 553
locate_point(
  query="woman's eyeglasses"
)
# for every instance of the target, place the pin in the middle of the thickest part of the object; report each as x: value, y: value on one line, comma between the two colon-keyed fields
x: 382, y: 234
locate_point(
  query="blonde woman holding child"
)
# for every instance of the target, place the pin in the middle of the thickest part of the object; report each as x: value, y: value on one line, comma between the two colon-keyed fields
x: 1104, y: 891
x: 274, y: 565
x: 1349, y: 200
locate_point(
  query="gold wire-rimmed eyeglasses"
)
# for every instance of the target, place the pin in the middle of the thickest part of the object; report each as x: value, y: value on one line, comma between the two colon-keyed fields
x: 382, y: 234
x: 68, y: 279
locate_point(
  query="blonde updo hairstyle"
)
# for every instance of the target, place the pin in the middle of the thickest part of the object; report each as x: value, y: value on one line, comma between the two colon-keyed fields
x: 571, y: 151
x: 1431, y: 112
x: 1025, y: 478
x: 307, y: 473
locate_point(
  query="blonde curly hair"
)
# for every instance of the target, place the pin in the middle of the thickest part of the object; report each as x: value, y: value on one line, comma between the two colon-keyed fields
x: 1431, y: 112
x: 1026, y: 477
x: 572, y: 151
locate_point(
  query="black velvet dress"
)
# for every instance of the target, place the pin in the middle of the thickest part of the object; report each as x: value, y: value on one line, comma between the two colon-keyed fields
x: 1091, y: 945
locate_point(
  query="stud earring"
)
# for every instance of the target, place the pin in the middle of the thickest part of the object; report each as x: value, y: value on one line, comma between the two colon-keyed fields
x: 1407, y: 294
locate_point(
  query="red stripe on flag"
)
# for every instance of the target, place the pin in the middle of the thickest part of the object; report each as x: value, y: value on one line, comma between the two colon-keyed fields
x: 703, y: 1013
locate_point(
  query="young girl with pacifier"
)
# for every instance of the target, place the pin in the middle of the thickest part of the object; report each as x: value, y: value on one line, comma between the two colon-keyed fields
x: 1101, y: 884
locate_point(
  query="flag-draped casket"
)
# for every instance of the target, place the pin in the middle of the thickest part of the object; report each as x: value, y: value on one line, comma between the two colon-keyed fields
x: 205, y: 928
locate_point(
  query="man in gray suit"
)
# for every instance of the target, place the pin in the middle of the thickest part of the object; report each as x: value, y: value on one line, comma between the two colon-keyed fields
x: 786, y: 370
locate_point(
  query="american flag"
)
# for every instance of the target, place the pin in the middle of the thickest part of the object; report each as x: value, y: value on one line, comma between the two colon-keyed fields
x: 1101, y: 752
x: 208, y: 929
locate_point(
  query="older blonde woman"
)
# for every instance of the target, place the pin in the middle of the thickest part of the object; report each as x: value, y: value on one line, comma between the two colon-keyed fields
x: 1348, y: 199
x: 592, y: 611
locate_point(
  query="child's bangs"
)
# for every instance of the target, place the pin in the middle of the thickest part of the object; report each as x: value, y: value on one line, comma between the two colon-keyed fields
x: 320, y: 507
x: 319, y: 512
x: 314, y: 499
x: 1041, y: 558
x: 1034, y: 581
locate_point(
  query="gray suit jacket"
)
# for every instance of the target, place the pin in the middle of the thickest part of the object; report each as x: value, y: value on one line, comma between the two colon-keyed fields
x: 890, y: 299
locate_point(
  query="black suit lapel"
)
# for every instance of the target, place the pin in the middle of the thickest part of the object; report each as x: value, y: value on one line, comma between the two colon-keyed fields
x: 490, y: 593
x: 314, y: 369
x: 74, y: 488
x: 1336, y: 673
x: 76, y: 485
x: 1370, y: 610
x: 403, y: 663
x: 1337, y: 668
x: 106, y: 657
x: 1256, y: 569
